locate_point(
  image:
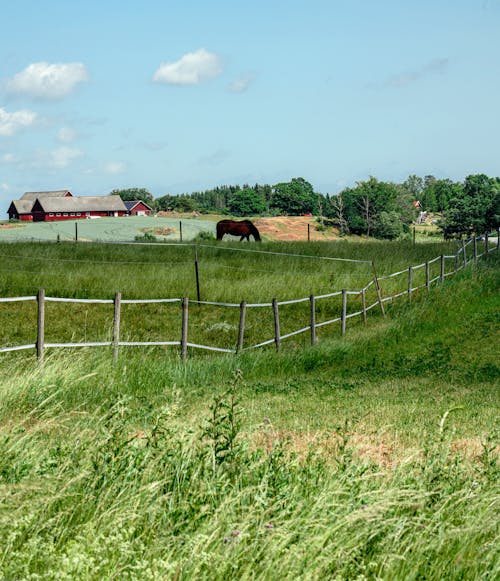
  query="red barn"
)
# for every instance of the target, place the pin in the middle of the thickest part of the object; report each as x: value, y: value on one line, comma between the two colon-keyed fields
x: 73, y: 208
x: 138, y: 208
x: 20, y: 210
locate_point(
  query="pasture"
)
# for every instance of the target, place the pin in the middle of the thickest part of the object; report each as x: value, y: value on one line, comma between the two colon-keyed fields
x: 107, y: 229
x: 368, y: 456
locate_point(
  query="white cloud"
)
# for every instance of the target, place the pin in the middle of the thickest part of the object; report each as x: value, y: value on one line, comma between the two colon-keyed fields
x: 241, y: 84
x: 63, y: 156
x: 191, y: 69
x: 9, y: 158
x: 48, y: 81
x: 66, y: 135
x: 4, y: 186
x: 11, y: 123
x: 115, y: 167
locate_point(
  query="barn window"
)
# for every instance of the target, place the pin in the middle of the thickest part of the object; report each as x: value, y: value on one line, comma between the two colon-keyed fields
x: 58, y: 214
x: 78, y: 213
x: 72, y: 214
x: 51, y: 214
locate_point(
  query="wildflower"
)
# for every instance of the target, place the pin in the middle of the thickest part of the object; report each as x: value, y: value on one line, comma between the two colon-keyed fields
x: 269, y: 525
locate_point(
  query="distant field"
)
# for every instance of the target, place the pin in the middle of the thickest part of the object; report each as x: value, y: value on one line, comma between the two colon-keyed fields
x: 106, y: 229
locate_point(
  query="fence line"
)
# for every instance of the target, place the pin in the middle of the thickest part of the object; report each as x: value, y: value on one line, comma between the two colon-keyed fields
x: 40, y: 345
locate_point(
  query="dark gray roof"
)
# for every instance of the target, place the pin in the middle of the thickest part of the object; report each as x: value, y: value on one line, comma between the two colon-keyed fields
x: 83, y: 204
x: 22, y: 206
x: 131, y: 203
x: 54, y: 194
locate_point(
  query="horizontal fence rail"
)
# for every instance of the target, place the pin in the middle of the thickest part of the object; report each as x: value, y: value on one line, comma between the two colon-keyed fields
x: 460, y: 259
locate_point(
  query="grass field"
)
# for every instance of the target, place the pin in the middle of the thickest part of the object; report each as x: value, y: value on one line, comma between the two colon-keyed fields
x: 373, y: 456
x: 107, y: 229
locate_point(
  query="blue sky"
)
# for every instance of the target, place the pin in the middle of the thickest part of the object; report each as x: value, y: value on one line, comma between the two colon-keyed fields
x: 177, y: 96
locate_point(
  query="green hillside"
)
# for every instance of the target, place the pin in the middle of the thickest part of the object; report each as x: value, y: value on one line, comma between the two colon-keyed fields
x: 373, y: 456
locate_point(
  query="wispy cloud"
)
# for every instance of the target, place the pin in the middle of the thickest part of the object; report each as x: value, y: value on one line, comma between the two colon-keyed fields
x: 66, y: 135
x: 242, y: 83
x: 214, y: 158
x: 115, y: 167
x: 437, y: 66
x: 63, y: 156
x: 11, y: 123
x: 48, y: 81
x: 191, y: 69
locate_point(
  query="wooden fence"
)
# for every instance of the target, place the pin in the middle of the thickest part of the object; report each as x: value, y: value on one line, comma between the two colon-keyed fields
x: 467, y: 253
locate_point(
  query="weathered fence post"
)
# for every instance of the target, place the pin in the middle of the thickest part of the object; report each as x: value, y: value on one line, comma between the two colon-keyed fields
x: 184, y: 336
x: 498, y: 238
x: 441, y: 275
x: 58, y: 237
x: 363, y: 305
x: 116, y: 324
x: 377, y: 288
x: 410, y: 282
x: 241, y: 329
x: 427, y: 276
x: 456, y: 259
x: 344, y: 311
x: 40, y: 339
x: 463, y: 250
x: 309, y: 232
x: 277, y: 335
x: 313, y: 319
x: 197, y: 274
x: 76, y: 231
x: 486, y: 243
x: 474, y: 248
x: 180, y: 230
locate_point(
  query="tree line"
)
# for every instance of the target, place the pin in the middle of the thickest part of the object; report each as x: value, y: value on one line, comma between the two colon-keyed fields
x: 371, y: 207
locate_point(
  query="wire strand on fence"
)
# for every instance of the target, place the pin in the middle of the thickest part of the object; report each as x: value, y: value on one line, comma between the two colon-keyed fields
x: 275, y: 303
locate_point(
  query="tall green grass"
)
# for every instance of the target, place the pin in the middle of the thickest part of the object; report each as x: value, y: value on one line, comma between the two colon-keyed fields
x: 227, y: 274
x: 373, y: 456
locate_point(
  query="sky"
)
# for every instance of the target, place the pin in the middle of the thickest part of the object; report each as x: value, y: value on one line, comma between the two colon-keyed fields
x: 184, y: 95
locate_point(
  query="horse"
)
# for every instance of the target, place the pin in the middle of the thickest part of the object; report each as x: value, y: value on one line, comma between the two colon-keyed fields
x: 243, y: 229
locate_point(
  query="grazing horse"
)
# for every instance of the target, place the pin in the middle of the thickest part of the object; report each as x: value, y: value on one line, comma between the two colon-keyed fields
x: 243, y: 229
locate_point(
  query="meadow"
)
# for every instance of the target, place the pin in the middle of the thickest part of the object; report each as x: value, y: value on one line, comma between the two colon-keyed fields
x: 106, y: 229
x: 368, y: 456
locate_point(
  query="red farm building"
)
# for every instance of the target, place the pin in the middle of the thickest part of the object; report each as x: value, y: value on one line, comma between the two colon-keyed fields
x: 62, y: 205
x: 21, y: 209
x: 138, y: 208
x: 52, y: 209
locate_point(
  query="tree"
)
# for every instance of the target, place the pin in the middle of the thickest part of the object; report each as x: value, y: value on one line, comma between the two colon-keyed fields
x: 247, y: 202
x: 475, y: 207
x: 388, y: 225
x: 130, y: 194
x: 295, y: 198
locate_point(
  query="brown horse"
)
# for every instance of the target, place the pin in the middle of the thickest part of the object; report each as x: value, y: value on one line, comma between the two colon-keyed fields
x: 242, y: 229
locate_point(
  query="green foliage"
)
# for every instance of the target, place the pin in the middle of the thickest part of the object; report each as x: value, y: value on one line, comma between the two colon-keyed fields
x: 130, y: 194
x: 294, y: 198
x: 475, y: 209
x: 146, y: 237
x: 204, y: 236
x: 247, y: 202
x: 387, y: 225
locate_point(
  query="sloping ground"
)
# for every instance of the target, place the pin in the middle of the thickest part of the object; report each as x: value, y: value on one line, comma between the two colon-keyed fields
x: 292, y: 228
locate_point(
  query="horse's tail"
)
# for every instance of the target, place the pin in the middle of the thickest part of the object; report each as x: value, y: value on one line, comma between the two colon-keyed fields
x: 254, y: 232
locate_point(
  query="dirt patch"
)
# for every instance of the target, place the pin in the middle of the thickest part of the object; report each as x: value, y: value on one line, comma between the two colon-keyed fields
x: 10, y: 226
x: 289, y: 228
x: 163, y: 231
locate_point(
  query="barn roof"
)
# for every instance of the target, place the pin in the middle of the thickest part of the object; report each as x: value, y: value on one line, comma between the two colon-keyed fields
x: 22, y: 206
x: 82, y: 204
x: 53, y: 194
x: 130, y: 204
